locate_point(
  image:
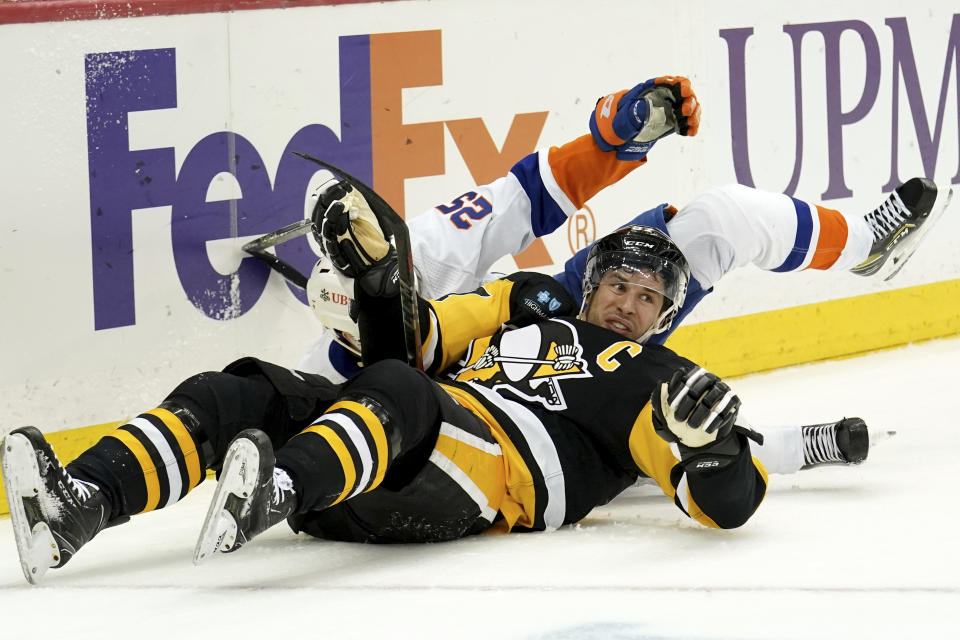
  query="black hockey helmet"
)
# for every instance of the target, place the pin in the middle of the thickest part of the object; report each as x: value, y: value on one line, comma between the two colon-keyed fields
x: 645, y: 250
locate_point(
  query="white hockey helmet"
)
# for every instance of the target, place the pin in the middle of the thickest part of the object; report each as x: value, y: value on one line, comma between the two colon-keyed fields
x: 330, y: 298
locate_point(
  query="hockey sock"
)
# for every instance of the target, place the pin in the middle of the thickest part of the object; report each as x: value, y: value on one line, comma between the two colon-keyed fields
x: 148, y: 463
x: 345, y: 452
x: 842, y: 241
x: 782, y: 449
x: 820, y: 240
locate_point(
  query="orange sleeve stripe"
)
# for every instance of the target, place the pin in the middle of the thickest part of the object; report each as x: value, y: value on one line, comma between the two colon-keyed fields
x: 833, y: 238
x: 582, y: 170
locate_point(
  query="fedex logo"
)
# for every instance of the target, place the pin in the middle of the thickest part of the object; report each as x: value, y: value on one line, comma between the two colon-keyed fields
x: 374, y: 145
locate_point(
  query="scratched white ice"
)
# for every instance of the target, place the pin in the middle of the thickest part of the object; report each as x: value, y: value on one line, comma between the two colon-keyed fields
x: 841, y: 552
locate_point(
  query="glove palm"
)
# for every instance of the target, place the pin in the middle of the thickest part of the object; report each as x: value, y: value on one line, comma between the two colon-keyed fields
x: 631, y: 121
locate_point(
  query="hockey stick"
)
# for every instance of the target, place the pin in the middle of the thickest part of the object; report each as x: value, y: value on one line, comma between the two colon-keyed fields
x: 258, y: 248
x: 393, y: 224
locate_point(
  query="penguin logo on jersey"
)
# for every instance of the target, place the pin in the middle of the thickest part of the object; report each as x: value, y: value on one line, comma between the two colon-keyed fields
x: 530, y: 362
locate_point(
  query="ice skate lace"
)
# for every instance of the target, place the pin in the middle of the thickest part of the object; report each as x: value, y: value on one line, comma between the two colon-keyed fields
x: 820, y: 444
x: 80, y: 488
x: 282, y: 485
x: 888, y: 217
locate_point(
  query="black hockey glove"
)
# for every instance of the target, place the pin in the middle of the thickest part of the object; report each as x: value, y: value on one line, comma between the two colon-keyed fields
x: 695, y: 408
x: 348, y: 231
x: 382, y: 279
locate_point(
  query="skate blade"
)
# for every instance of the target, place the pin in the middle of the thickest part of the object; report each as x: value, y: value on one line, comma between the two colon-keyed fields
x: 877, y: 436
x: 893, y: 266
x: 36, y: 546
x: 219, y: 531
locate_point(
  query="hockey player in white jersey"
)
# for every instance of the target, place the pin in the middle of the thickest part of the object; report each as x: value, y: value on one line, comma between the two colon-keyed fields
x: 456, y: 243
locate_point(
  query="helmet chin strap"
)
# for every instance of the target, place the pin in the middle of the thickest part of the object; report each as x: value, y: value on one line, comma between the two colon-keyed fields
x: 649, y: 332
x: 655, y: 327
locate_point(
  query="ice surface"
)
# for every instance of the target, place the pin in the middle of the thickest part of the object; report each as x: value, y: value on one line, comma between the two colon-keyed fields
x: 838, y: 552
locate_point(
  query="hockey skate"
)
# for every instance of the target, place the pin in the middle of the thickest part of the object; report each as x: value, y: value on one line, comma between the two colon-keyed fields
x: 251, y: 496
x: 846, y: 441
x: 899, y: 224
x: 53, y: 514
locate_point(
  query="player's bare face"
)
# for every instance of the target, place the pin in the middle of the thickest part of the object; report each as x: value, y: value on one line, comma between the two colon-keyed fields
x: 625, y: 303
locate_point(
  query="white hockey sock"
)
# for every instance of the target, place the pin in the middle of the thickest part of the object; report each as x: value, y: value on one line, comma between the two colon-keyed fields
x: 782, y: 448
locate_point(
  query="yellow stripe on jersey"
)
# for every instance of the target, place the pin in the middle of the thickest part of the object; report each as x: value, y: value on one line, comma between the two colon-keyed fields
x: 519, y: 504
x: 463, y: 317
x: 694, y: 510
x: 375, y: 427
x: 484, y: 468
x: 339, y: 448
x: 187, y: 445
x: 650, y: 452
x: 654, y: 456
x: 146, y: 466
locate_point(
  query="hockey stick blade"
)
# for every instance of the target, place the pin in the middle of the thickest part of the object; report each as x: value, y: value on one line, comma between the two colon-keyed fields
x: 258, y: 249
x: 281, y: 235
x: 287, y: 270
x: 397, y: 228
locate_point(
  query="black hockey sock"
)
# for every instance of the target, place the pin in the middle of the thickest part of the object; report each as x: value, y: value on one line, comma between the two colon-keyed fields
x: 148, y: 463
x: 344, y: 453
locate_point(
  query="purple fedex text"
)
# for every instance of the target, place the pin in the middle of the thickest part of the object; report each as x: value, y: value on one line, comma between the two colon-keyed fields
x: 122, y: 180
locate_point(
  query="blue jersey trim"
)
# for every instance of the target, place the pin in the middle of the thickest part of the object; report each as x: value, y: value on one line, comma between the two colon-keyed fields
x: 545, y: 214
x: 801, y: 244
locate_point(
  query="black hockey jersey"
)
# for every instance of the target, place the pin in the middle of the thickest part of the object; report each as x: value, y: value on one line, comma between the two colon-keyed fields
x: 568, y: 402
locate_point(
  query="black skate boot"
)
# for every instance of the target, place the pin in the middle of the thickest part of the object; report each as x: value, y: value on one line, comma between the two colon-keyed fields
x: 843, y: 442
x: 53, y: 514
x: 898, y: 225
x: 251, y: 496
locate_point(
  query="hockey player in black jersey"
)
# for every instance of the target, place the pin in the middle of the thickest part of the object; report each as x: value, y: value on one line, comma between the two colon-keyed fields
x: 541, y: 412
x: 530, y: 412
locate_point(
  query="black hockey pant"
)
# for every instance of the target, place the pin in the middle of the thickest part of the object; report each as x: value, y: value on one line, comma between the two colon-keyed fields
x: 388, y: 456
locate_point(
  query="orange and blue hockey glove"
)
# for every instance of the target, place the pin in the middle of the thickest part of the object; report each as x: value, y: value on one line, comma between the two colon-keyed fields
x: 631, y: 121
